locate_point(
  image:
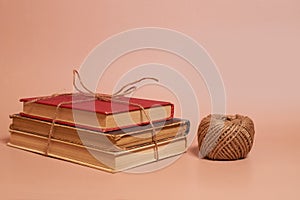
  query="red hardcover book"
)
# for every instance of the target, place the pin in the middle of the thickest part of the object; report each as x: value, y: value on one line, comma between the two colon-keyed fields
x: 80, y: 110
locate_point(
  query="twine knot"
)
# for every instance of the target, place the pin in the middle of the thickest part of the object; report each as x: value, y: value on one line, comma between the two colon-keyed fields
x: 225, y: 137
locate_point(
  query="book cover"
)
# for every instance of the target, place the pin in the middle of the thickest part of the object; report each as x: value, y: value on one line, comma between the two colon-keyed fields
x: 110, y: 161
x: 110, y: 115
x: 98, y: 106
x: 124, y: 139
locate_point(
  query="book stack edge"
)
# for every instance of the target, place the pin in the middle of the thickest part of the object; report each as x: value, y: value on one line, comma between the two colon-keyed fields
x: 106, y: 135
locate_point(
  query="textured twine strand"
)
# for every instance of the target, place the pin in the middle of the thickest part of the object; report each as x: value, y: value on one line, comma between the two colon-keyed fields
x: 125, y: 90
x: 223, y: 137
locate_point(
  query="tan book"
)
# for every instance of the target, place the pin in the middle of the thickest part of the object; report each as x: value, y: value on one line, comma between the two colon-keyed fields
x: 123, y: 139
x: 110, y: 161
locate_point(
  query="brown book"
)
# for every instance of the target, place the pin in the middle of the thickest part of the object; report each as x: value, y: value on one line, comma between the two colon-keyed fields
x: 83, y: 111
x: 126, y: 138
x: 107, y: 160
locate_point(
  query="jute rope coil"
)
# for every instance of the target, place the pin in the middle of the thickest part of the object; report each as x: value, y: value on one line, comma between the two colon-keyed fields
x: 225, y: 137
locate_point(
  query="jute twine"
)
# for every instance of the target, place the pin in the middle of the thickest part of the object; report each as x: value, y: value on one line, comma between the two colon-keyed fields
x: 125, y: 90
x: 225, y: 137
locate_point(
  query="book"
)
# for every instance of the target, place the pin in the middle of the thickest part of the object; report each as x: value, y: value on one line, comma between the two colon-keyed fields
x: 124, y: 138
x: 96, y: 114
x: 107, y: 160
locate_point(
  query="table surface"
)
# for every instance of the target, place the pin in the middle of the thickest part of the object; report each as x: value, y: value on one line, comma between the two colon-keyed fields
x: 271, y: 171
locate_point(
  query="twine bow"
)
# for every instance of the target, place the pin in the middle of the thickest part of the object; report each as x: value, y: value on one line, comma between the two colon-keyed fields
x: 125, y: 90
x: 115, y: 97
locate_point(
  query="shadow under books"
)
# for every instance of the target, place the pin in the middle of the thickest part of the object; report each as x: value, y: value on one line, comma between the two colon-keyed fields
x: 4, y: 140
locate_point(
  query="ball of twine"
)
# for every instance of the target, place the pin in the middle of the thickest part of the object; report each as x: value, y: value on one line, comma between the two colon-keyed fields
x: 225, y: 137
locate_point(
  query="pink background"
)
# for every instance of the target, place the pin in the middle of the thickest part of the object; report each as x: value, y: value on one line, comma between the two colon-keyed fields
x: 255, y: 44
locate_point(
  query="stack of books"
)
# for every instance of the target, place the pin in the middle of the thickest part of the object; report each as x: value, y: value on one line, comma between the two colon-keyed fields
x: 106, y: 135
